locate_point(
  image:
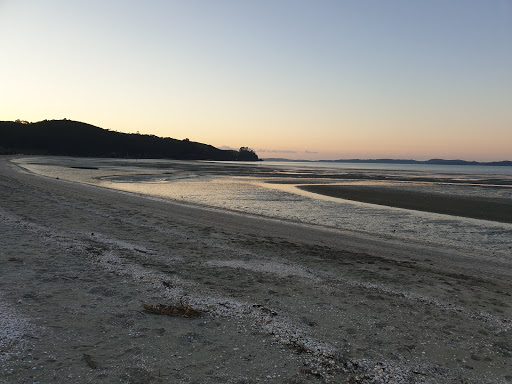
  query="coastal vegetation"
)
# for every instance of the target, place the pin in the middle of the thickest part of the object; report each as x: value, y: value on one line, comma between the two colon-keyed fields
x: 73, y: 138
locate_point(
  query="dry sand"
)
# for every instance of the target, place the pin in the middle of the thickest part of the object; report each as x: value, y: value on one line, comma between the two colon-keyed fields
x: 282, y: 302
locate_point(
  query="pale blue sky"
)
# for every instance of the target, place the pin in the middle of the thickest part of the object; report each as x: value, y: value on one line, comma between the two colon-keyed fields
x: 293, y: 78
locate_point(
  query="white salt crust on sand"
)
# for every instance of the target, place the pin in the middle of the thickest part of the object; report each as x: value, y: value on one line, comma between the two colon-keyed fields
x: 15, y: 331
x: 321, y: 354
x: 320, y: 358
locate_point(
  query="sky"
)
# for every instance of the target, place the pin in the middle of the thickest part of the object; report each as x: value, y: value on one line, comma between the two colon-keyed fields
x: 300, y: 79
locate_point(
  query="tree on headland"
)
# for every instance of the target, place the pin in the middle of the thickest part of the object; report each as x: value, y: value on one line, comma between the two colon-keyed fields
x: 247, y: 154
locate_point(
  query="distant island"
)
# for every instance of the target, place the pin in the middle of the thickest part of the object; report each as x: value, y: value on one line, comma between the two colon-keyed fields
x: 73, y: 138
x: 400, y: 161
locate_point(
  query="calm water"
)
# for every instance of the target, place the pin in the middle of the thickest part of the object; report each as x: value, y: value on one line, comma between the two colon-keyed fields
x: 269, y: 189
x: 463, y: 169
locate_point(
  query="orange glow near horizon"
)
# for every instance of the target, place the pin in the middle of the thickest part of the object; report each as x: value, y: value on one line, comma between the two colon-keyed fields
x: 353, y: 83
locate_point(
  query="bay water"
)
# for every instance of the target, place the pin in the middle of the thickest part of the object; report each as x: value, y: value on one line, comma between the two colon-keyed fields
x: 270, y: 189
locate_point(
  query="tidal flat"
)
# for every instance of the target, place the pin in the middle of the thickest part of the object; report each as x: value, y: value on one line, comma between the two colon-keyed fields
x: 292, y: 287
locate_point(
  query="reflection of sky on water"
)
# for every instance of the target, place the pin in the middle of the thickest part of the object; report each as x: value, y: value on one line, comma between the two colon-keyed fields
x: 287, y: 202
x: 434, y: 168
x: 264, y: 194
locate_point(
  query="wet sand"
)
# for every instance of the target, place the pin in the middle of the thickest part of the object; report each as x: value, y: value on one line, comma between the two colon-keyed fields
x: 282, y: 302
x: 477, y: 208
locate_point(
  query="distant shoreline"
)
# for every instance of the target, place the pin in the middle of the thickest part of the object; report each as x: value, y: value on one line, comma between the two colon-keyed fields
x: 504, y: 163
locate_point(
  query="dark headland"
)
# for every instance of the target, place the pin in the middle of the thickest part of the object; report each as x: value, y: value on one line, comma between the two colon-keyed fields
x: 74, y: 138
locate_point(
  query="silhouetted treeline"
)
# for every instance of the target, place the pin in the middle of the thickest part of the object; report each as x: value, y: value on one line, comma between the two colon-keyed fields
x: 247, y: 154
x: 73, y: 138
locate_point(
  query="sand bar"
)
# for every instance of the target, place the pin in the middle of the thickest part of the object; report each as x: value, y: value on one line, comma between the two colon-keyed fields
x: 282, y: 302
x: 477, y: 208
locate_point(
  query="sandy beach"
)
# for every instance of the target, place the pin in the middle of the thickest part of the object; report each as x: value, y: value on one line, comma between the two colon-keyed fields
x: 278, y: 302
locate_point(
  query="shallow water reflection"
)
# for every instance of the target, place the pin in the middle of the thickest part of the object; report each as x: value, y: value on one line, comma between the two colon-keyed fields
x: 272, y: 192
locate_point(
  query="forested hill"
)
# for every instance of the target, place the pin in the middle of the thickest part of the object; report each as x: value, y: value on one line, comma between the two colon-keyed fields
x: 73, y: 138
